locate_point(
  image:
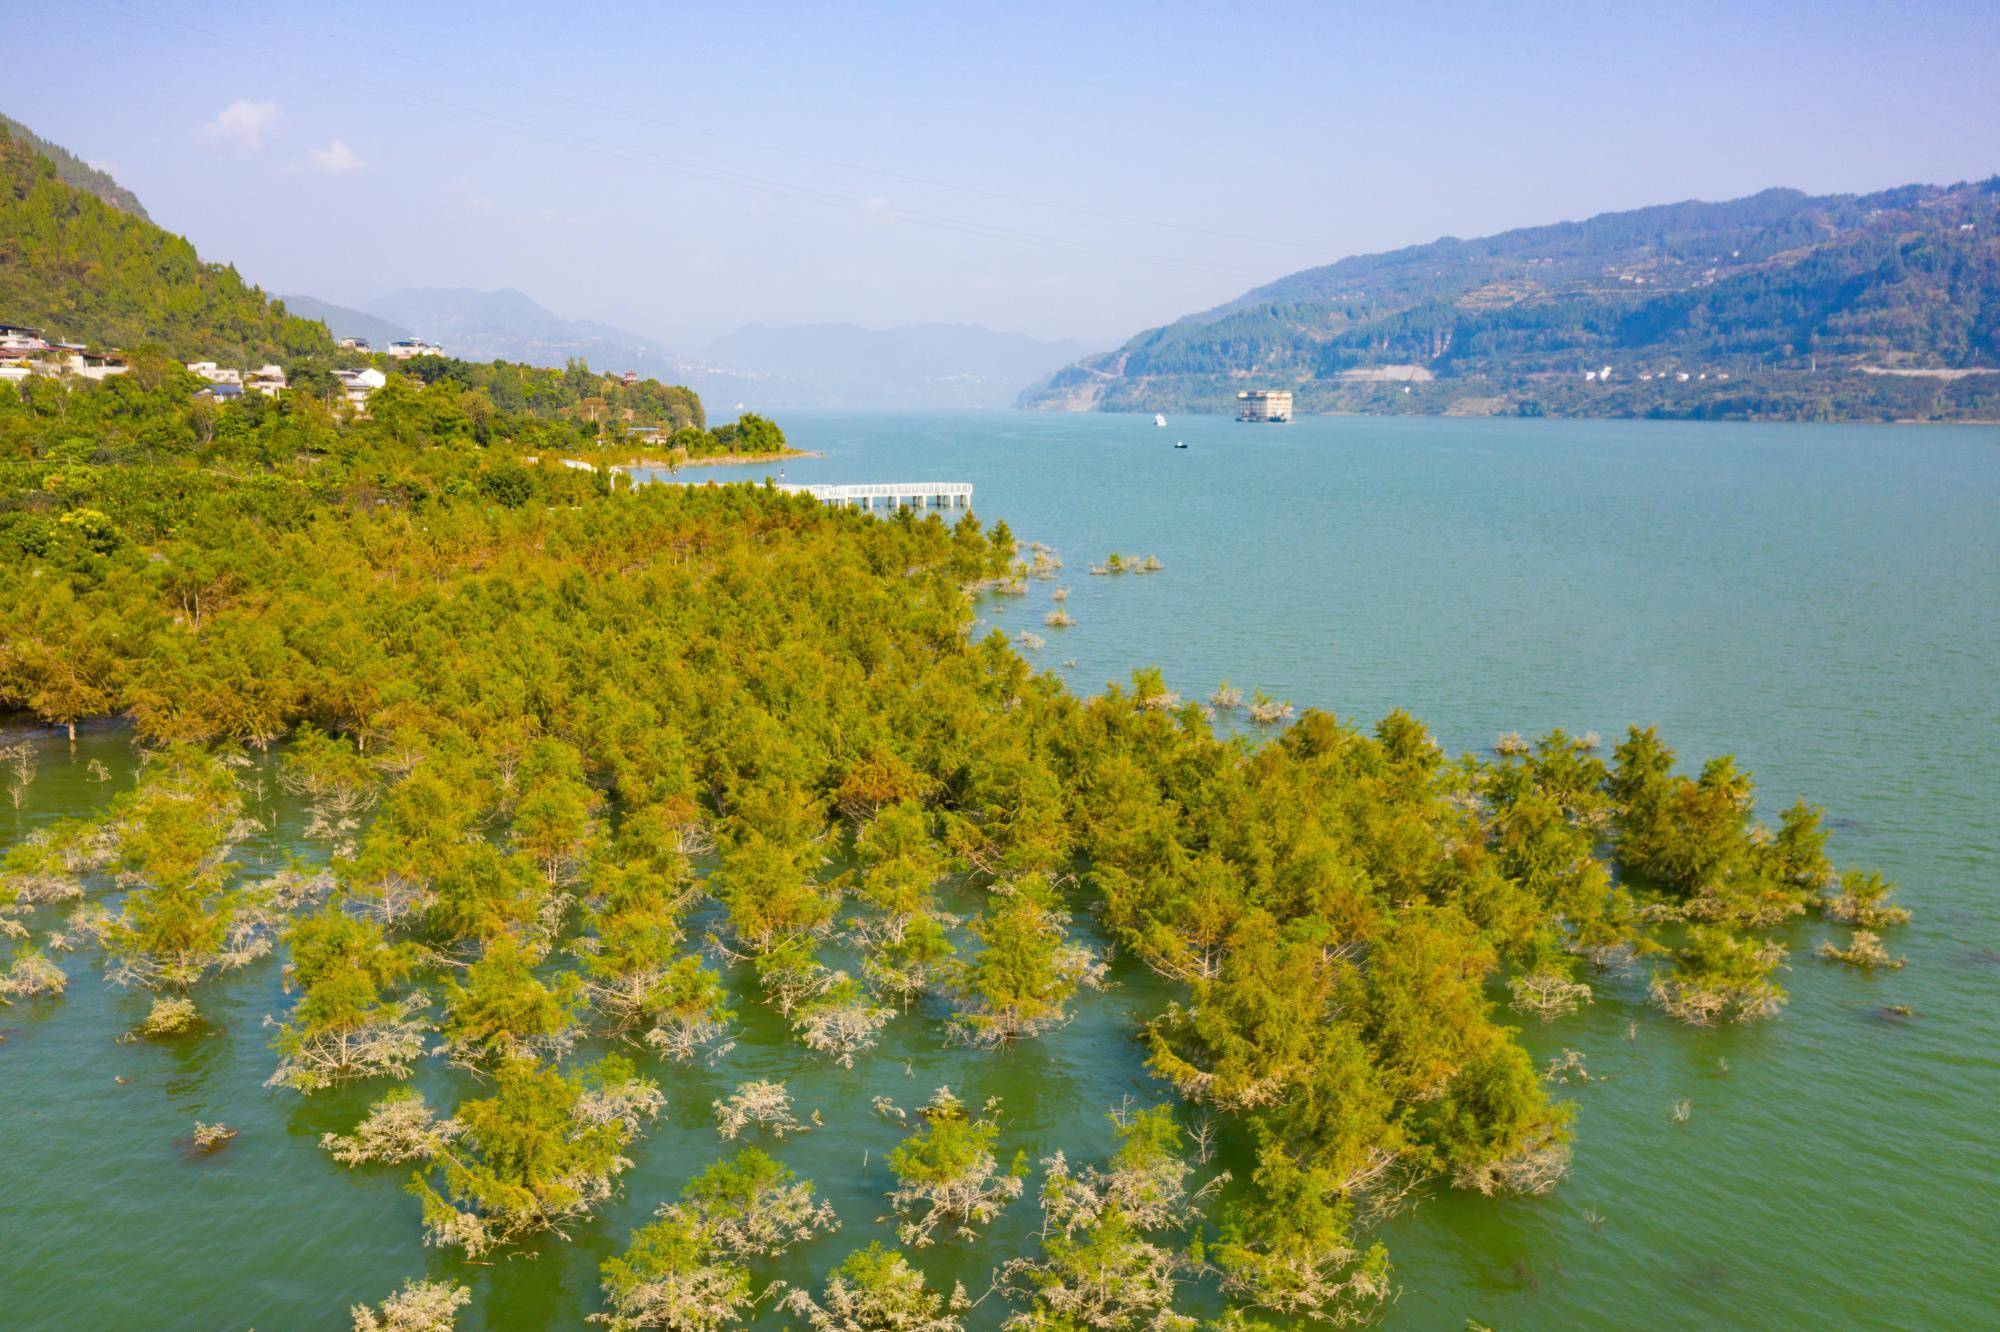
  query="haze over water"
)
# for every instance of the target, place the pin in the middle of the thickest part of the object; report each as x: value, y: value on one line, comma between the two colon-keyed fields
x: 1819, y: 600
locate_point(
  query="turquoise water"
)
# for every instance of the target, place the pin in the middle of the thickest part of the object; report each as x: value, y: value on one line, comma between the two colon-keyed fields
x: 1822, y: 601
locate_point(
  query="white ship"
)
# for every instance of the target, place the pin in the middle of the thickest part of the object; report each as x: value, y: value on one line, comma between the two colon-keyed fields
x: 1159, y: 420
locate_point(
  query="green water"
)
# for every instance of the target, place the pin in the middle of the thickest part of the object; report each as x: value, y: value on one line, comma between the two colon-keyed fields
x: 1822, y: 601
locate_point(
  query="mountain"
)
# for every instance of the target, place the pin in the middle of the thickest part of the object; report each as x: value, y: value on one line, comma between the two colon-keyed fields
x: 507, y: 325
x: 345, y: 323
x: 86, y: 271
x: 76, y: 173
x: 844, y: 365
x: 1777, y: 305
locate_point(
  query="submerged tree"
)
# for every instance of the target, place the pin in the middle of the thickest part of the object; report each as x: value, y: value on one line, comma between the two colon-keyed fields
x: 398, y: 1129
x: 1862, y: 899
x: 420, y: 1306
x: 529, y: 1159
x: 946, y: 1173
x: 905, y: 949
x: 674, y: 1276
x: 555, y: 817
x: 1494, y: 1129
x: 752, y: 1206
x: 1100, y: 1267
x: 876, y: 1290
x: 504, y: 1011
x: 48, y: 864
x: 685, y: 1011
x: 757, y: 1105
x: 335, y: 780
x: 685, y: 1269
x: 423, y: 857
x: 31, y: 975
x: 1863, y: 950
x: 1106, y: 1274
x: 772, y: 898
x: 632, y: 974
x: 1019, y: 984
x: 1718, y: 977
x: 841, y: 1021
x: 175, y: 832
x: 346, y: 1025
x: 1292, y: 1252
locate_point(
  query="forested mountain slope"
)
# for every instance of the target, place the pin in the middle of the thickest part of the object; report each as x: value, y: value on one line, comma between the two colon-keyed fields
x: 1780, y: 304
x: 74, y: 171
x: 88, y: 272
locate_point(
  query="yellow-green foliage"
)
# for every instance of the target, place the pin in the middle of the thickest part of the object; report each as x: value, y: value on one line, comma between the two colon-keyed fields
x: 541, y: 696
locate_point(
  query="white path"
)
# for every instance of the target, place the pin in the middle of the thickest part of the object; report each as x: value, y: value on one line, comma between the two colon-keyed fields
x: 892, y: 494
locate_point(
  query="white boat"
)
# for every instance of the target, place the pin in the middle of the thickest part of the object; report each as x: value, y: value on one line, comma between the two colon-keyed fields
x: 1159, y: 420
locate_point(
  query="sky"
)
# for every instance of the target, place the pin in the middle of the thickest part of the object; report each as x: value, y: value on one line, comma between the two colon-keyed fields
x: 1061, y: 170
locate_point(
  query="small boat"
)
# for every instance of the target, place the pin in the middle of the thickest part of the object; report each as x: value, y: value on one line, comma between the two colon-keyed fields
x: 1180, y: 443
x: 1159, y: 420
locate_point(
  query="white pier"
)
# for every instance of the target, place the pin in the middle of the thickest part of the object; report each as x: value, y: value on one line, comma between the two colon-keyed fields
x: 891, y: 495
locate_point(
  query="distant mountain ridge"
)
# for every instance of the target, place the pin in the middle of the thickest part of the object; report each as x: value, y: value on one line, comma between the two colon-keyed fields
x: 508, y: 325
x: 846, y: 365
x: 765, y: 367
x: 1779, y: 304
x: 343, y: 322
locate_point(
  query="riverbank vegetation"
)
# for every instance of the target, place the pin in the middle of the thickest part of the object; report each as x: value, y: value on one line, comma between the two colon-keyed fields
x: 575, y: 753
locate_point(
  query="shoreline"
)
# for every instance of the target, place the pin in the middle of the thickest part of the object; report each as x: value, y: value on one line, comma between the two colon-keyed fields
x: 671, y: 465
x: 716, y: 460
x: 1553, y: 416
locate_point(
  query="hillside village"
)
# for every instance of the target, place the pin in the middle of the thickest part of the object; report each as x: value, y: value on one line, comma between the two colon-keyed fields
x: 26, y: 351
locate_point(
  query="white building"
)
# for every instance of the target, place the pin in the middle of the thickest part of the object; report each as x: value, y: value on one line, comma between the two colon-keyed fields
x: 94, y: 365
x: 268, y: 380
x: 1264, y: 405
x: 214, y: 373
x: 356, y: 385
x: 20, y: 340
x: 404, y: 348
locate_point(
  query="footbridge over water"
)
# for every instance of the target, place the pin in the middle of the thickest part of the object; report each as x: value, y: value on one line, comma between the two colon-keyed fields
x: 891, y: 495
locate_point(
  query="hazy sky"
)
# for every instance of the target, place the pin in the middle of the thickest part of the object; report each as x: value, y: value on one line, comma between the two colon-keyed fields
x: 1071, y: 170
